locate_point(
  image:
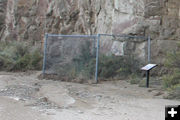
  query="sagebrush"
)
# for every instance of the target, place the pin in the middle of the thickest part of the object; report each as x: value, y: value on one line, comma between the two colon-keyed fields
x: 172, y: 63
x: 19, y: 56
x: 171, y: 81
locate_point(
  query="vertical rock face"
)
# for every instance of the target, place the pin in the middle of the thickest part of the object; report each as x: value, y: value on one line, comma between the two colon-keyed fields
x: 29, y: 20
x: 119, y: 16
x: 24, y: 20
x: 166, y: 14
x: 3, y: 4
x: 164, y: 22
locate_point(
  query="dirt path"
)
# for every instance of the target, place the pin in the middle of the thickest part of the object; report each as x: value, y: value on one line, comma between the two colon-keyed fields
x: 13, y: 110
x: 24, y: 97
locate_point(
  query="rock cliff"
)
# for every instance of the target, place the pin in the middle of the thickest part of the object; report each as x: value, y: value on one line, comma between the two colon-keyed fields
x: 24, y: 20
x: 3, y: 4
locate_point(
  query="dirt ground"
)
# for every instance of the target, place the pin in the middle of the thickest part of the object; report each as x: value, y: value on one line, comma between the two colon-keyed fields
x: 24, y: 97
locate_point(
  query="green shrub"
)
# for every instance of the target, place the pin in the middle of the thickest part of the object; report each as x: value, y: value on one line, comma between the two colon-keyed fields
x: 171, y: 80
x: 113, y: 66
x: 173, y: 60
x: 174, y: 92
x: 36, y: 60
x: 17, y: 56
x: 172, y: 63
x: 109, y: 66
x: 89, y: 69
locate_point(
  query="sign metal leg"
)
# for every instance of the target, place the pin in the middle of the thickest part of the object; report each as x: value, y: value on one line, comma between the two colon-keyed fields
x: 147, y: 82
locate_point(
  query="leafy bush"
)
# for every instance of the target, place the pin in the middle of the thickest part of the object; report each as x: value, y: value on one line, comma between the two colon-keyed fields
x: 174, y: 92
x: 172, y: 63
x: 17, y: 56
x: 173, y: 60
x: 113, y: 66
x: 119, y: 66
x: 171, y: 81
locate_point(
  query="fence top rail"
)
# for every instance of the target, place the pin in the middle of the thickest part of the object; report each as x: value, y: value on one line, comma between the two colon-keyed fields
x: 127, y: 36
x: 82, y: 36
x: 94, y: 36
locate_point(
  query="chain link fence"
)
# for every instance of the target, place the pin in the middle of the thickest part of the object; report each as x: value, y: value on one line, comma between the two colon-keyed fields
x: 121, y: 56
x: 91, y: 57
x: 67, y: 57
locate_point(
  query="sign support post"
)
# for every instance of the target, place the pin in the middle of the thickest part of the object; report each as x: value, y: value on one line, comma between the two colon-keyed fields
x: 147, y: 81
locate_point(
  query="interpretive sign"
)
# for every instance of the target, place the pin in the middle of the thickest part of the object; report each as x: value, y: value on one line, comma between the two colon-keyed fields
x: 147, y: 68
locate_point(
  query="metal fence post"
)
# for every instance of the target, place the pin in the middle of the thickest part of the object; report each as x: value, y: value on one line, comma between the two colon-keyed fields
x: 149, y: 49
x: 94, y: 47
x: 45, y: 47
x: 97, y: 58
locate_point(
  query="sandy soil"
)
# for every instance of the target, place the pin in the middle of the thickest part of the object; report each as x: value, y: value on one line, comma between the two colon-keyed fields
x: 24, y: 97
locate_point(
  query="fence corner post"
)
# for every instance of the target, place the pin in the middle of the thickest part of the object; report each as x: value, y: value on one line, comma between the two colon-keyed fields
x: 97, y: 58
x: 44, y: 58
x: 149, y: 49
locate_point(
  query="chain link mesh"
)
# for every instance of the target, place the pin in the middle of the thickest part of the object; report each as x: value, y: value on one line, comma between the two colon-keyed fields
x: 121, y: 56
x: 69, y: 57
